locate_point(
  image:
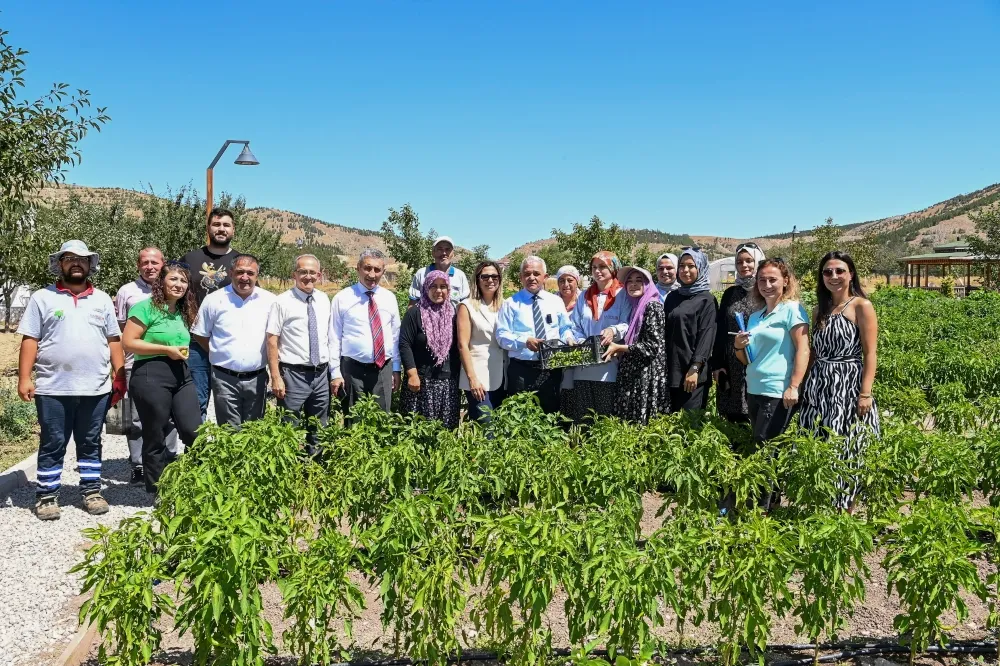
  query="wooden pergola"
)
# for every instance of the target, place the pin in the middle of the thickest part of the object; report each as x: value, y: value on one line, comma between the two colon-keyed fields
x: 946, y: 255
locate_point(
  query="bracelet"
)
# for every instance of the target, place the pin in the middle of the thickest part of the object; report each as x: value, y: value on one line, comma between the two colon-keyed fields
x: 865, y: 395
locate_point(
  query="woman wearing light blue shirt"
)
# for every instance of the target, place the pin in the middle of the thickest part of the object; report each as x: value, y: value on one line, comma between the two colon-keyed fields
x: 775, y: 349
x: 604, y: 311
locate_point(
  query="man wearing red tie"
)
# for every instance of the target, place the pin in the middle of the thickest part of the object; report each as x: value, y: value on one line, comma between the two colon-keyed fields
x: 364, y: 336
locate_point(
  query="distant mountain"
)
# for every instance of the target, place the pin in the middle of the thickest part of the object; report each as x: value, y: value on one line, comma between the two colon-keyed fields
x: 942, y: 222
x: 292, y: 226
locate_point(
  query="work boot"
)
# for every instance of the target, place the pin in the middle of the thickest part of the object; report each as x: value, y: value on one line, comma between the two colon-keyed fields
x: 138, y: 476
x: 47, y: 508
x: 94, y: 504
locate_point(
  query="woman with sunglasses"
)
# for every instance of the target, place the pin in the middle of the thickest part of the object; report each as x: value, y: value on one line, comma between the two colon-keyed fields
x: 602, y: 310
x: 775, y: 349
x: 481, y: 376
x: 568, y: 279
x: 838, y: 390
x: 727, y: 371
x: 157, y: 334
x: 690, y: 332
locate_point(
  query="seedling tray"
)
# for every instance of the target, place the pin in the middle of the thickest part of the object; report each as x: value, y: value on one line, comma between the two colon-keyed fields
x: 556, y: 354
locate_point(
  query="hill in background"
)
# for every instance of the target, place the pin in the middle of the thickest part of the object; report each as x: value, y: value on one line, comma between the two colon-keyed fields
x: 941, y: 222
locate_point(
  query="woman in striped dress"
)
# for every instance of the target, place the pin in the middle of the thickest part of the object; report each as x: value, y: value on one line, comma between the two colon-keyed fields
x: 838, y: 389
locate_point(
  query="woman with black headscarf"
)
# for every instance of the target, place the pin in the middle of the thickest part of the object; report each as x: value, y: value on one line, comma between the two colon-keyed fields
x: 727, y: 370
x: 691, y: 321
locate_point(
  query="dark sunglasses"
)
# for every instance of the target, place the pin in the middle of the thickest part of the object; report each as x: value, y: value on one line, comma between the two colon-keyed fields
x: 696, y: 248
x: 773, y: 260
x: 743, y: 246
x: 493, y: 277
x: 830, y: 272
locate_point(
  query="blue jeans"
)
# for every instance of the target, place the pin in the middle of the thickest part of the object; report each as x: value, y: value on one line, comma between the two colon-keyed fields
x: 61, y: 416
x: 201, y: 374
x: 480, y: 410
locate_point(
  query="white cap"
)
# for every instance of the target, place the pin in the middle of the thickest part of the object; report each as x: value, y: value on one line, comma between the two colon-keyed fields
x: 443, y: 239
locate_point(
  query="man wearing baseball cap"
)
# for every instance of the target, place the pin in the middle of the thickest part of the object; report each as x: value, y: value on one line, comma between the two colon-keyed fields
x: 443, y: 252
x: 72, y: 340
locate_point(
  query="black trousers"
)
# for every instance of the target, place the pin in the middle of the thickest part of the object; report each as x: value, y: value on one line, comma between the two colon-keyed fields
x: 696, y: 399
x: 365, y: 378
x: 523, y: 376
x: 768, y: 416
x: 162, y: 388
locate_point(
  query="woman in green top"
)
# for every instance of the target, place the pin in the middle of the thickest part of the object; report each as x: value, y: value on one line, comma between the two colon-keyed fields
x: 161, y: 387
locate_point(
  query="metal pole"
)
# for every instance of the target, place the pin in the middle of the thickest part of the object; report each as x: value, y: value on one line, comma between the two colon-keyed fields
x: 208, y: 175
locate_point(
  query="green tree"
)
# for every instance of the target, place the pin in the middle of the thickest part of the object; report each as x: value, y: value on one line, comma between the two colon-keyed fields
x: 986, y: 245
x: 584, y: 241
x: 469, y: 260
x: 38, y: 142
x: 403, y: 240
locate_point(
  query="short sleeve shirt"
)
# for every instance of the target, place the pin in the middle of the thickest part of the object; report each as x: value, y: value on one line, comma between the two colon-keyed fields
x: 772, y: 349
x: 74, y: 357
x: 130, y: 294
x: 235, y: 328
x: 209, y: 271
x: 459, y: 284
x: 162, y: 327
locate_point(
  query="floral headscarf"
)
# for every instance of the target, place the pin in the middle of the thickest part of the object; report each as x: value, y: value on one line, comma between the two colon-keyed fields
x: 437, y: 320
x: 610, y: 259
x: 650, y: 294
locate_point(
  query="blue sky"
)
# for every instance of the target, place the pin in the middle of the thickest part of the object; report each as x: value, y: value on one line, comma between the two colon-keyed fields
x: 498, y: 121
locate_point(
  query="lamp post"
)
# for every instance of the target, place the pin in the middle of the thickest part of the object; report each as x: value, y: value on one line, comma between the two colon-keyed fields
x: 795, y: 229
x: 245, y: 158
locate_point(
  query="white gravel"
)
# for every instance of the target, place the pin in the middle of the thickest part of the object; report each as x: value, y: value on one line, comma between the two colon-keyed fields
x: 37, y: 595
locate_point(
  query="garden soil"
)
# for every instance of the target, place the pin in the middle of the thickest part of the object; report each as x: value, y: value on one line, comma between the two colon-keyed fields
x: 873, y: 620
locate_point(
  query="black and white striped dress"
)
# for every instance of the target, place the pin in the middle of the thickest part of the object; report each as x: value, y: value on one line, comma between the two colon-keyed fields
x: 831, y: 396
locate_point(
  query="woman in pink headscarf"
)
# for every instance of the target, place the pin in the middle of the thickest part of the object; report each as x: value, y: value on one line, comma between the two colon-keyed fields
x: 643, y: 390
x: 429, y: 354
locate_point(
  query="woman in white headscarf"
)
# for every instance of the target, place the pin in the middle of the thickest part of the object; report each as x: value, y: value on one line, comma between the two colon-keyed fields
x: 568, y: 279
x: 727, y: 370
x: 666, y: 274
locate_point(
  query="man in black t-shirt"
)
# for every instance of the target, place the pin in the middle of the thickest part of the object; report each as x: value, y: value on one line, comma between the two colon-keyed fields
x: 211, y: 268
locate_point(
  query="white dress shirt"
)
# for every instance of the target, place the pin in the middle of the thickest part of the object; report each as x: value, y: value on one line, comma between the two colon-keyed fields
x: 235, y: 328
x: 516, y: 322
x: 351, y: 333
x: 289, y: 320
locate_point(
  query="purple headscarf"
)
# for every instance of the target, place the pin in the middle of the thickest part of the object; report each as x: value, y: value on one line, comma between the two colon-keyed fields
x: 437, y: 320
x: 649, y: 295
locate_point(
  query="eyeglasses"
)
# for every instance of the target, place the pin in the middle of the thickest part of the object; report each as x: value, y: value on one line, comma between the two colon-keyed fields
x: 490, y: 277
x: 73, y: 259
x: 743, y: 246
x: 830, y: 272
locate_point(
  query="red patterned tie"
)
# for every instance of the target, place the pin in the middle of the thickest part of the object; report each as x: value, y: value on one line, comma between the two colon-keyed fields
x: 378, y: 341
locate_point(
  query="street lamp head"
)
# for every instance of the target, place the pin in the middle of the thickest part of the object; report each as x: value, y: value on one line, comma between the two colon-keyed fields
x: 246, y: 158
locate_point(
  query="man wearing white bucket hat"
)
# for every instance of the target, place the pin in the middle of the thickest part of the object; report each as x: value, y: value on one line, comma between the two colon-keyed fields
x: 443, y: 252
x: 72, y: 340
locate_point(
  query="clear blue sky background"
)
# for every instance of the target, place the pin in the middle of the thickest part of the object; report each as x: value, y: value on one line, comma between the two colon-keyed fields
x: 499, y: 121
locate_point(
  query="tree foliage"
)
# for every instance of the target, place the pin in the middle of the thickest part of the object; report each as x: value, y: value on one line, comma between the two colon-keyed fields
x: 403, y: 239
x: 987, y: 245
x: 38, y: 141
x: 469, y: 260
x: 583, y: 241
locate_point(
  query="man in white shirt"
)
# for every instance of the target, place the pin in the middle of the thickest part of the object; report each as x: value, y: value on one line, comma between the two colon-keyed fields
x: 231, y: 326
x: 364, y: 336
x: 443, y: 252
x: 298, y: 347
x: 525, y: 320
x: 150, y: 264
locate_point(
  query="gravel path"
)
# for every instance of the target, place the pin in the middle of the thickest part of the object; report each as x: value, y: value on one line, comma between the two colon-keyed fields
x: 38, y: 598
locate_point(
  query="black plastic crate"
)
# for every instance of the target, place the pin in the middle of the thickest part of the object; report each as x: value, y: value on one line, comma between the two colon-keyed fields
x: 550, y: 348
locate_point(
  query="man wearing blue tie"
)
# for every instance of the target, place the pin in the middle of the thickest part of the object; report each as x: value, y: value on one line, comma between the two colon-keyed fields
x: 524, y: 321
x: 298, y: 346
